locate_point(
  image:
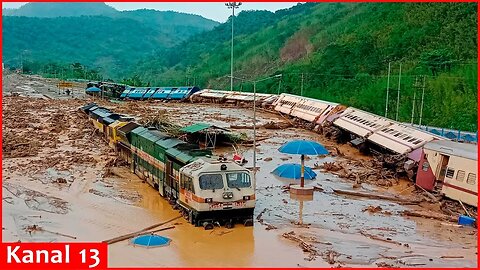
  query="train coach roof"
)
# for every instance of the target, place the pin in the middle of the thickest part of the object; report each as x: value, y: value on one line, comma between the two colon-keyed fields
x: 107, y: 120
x: 168, y: 143
x: 87, y: 107
x: 464, y: 150
x: 100, y: 112
x: 152, y: 135
x: 128, y: 127
x: 308, y: 99
x: 183, y: 156
x: 206, y: 164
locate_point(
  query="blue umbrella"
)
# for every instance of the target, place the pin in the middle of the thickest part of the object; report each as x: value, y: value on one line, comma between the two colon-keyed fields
x: 303, y: 147
x: 293, y: 171
x: 151, y: 240
x: 93, y: 89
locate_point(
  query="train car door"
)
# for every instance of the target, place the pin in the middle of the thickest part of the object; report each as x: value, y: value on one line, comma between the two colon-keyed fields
x: 161, y: 182
x: 168, y: 176
x: 442, y: 167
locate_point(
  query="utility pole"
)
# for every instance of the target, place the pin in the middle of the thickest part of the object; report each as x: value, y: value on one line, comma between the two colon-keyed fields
x: 388, y: 89
x: 421, y: 106
x: 301, y: 87
x: 279, y: 84
x: 21, y: 60
x: 233, y: 6
x: 398, y: 92
x: 414, y: 96
x: 254, y: 128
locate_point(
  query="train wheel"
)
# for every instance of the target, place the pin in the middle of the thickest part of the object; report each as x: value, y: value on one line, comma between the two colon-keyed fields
x: 207, y: 225
x: 190, y: 217
x: 229, y: 224
x: 248, y: 222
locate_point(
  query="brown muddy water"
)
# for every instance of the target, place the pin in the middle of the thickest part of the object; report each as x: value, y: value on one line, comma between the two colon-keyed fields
x: 335, y: 228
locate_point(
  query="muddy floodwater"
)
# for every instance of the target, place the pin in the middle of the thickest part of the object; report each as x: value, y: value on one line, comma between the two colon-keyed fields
x: 69, y: 197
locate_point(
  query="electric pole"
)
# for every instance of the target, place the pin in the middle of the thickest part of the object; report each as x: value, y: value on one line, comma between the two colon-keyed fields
x: 421, y: 106
x: 279, y: 84
x: 233, y: 6
x: 414, y: 96
x: 398, y: 92
x: 388, y: 89
x: 301, y: 87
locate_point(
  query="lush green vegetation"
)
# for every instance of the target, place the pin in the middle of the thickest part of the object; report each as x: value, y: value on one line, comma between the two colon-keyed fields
x: 111, y: 42
x: 343, y: 51
x: 338, y: 52
x: 51, y: 10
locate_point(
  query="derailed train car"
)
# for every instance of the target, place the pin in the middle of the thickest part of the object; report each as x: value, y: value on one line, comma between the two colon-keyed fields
x: 221, y: 96
x: 207, y: 190
x: 159, y: 93
x: 429, y: 160
x: 371, y: 130
x: 451, y: 165
x: 308, y: 109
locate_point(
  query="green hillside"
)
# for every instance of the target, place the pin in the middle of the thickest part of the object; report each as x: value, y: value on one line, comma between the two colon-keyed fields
x: 343, y: 51
x: 338, y: 52
x: 67, y: 9
x: 110, y: 42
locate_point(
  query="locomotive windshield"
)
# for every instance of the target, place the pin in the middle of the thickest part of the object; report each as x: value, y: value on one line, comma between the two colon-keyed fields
x: 211, y: 181
x: 238, y: 180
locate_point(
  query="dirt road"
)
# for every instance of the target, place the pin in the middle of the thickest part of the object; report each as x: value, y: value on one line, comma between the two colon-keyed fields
x: 53, y: 164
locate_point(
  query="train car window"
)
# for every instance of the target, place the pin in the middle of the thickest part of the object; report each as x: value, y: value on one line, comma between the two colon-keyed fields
x: 417, y: 141
x: 472, y: 178
x: 425, y: 166
x: 211, y: 181
x: 238, y: 180
x: 460, y: 175
x: 450, y: 172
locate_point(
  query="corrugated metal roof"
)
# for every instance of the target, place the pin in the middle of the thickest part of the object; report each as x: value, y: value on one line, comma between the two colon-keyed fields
x: 199, y: 127
x: 465, y: 150
x: 195, y: 127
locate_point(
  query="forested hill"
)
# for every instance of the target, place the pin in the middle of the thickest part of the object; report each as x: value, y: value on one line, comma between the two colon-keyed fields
x: 51, y: 10
x: 342, y: 51
x: 338, y: 52
x: 93, y: 34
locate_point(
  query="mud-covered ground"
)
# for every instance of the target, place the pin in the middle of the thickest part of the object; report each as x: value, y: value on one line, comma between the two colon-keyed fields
x: 54, y: 177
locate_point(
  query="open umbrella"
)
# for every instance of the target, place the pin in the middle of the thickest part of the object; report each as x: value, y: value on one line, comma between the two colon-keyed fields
x: 93, y: 89
x: 303, y: 147
x: 150, y: 240
x: 293, y: 171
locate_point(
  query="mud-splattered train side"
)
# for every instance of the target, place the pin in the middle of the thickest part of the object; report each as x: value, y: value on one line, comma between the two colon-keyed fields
x: 205, y: 189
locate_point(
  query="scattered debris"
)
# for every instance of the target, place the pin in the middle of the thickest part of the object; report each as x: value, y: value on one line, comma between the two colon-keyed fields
x: 428, y: 214
x: 308, y: 248
x: 375, y: 237
x: 143, y: 231
x: 377, y: 196
x: 372, y: 209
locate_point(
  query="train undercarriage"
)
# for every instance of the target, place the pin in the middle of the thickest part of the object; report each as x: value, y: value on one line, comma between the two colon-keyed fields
x: 209, y: 219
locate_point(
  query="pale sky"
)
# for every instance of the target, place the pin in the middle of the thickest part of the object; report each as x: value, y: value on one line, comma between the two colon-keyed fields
x: 212, y: 10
